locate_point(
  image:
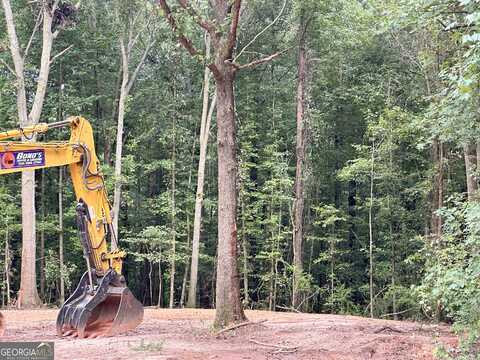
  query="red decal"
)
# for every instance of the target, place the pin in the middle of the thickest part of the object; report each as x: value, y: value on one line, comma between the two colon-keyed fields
x: 8, y: 160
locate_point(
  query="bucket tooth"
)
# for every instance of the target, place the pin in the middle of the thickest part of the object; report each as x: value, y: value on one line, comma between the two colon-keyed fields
x: 108, y: 310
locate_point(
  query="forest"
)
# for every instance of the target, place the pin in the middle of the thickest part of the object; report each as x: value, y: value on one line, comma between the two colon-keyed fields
x: 318, y: 156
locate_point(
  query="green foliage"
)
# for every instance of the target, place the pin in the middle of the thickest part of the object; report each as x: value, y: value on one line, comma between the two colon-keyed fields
x: 340, y: 301
x: 53, y: 271
x: 385, y: 80
x: 450, y: 286
x: 153, y: 346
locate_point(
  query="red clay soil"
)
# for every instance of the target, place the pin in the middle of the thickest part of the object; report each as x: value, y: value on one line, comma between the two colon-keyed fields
x: 187, y: 334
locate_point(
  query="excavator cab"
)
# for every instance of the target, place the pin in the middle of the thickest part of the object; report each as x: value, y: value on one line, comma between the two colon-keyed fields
x: 102, y: 304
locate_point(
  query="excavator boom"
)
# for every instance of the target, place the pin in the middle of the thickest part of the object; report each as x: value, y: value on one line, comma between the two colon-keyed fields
x: 102, y: 304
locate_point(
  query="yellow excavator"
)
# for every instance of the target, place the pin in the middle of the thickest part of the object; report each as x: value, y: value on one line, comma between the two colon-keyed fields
x: 102, y: 304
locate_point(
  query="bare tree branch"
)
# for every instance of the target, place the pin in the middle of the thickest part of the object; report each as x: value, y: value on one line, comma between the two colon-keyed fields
x: 61, y: 27
x: 37, y: 24
x: 17, y: 62
x: 47, y: 42
x: 125, y: 60
x: 8, y: 67
x: 232, y: 36
x: 261, y: 32
x: 211, y: 29
x: 54, y: 6
x: 133, y: 41
x: 139, y: 65
x: 14, y: 43
x: 134, y: 22
x: 183, y: 40
x: 257, y: 62
x: 60, y: 54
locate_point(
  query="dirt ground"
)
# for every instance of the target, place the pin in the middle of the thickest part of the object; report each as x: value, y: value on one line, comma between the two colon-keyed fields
x: 187, y: 334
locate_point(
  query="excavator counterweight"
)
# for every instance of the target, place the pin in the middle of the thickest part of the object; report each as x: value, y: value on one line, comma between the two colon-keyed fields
x: 102, y: 304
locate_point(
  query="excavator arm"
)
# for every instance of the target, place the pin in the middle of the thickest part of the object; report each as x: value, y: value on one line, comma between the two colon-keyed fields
x: 102, y: 304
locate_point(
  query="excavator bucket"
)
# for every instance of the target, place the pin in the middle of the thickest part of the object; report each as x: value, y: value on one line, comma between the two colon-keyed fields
x: 106, y: 310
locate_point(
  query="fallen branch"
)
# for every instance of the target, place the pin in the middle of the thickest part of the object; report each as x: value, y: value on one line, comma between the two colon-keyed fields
x: 375, y: 297
x: 288, y: 309
x: 308, y: 298
x: 280, y: 347
x: 397, y: 313
x: 236, y: 326
x: 285, y: 351
x: 388, y: 328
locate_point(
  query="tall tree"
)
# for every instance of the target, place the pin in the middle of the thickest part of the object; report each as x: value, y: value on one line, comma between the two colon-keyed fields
x: 173, y: 211
x: 60, y: 235
x: 207, y: 113
x: 128, y: 41
x: 28, y: 295
x: 224, y: 15
x: 298, y: 207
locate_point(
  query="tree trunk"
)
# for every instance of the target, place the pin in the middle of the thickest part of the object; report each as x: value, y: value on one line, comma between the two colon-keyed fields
x: 8, y: 262
x: 228, y: 305
x: 28, y: 294
x: 299, y: 176
x: 183, y: 295
x: 60, y: 196
x: 197, y: 221
x: 150, y: 282
x: 227, y: 15
x: 370, y: 230
x: 127, y: 84
x: 394, y: 295
x: 184, y: 282
x: 478, y: 157
x: 271, y: 285
x: 332, y: 264
x: 160, y: 284
x: 119, y: 147
x: 246, y: 297
x: 185, y: 273
x: 469, y: 152
x: 107, y: 151
x: 437, y: 192
x: 42, y: 236
x: 174, y: 216
x: 60, y: 234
